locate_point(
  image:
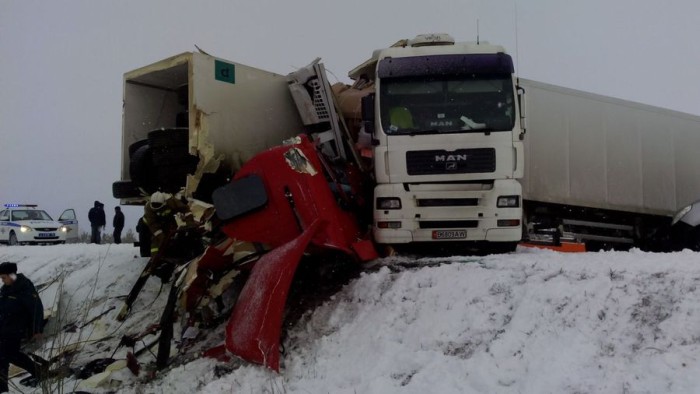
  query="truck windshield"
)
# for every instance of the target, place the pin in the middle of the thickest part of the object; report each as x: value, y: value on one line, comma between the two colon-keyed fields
x: 447, y: 104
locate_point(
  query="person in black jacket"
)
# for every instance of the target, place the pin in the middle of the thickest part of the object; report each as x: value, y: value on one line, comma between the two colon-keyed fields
x: 118, y: 224
x: 21, y: 317
x: 97, y: 221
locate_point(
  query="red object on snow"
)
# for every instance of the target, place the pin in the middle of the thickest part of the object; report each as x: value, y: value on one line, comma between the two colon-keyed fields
x: 253, y: 331
x: 302, y: 214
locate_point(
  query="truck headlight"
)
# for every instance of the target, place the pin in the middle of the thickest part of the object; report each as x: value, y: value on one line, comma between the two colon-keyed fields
x: 388, y: 203
x: 508, y: 202
x: 678, y: 216
x: 25, y: 229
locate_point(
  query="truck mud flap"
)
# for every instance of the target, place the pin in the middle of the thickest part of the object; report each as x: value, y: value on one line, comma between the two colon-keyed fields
x: 253, y: 331
x: 239, y: 197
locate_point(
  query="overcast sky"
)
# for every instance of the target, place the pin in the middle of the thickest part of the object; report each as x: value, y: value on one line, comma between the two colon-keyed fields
x: 61, y: 64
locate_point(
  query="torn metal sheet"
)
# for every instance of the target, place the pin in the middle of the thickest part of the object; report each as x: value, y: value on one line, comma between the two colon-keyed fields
x: 201, y: 147
x: 299, y: 162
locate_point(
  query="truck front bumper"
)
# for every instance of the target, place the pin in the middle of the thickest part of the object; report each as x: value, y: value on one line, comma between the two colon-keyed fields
x: 448, y: 213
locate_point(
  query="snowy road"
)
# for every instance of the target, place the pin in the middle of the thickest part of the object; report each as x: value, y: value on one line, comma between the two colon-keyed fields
x: 529, y: 322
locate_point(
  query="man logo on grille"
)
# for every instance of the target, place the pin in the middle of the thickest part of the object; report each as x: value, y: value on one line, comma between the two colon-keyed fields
x: 451, y: 165
x: 450, y: 158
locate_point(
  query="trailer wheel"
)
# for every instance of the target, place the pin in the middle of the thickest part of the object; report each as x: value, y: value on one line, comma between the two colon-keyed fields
x: 169, y: 137
x: 125, y: 189
x: 141, y: 168
x: 175, y: 158
x: 135, y: 146
x: 693, y: 240
x: 171, y: 179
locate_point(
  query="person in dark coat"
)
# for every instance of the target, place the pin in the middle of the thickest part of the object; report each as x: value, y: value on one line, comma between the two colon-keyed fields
x: 97, y: 221
x: 21, y: 317
x: 118, y: 224
x: 144, y: 238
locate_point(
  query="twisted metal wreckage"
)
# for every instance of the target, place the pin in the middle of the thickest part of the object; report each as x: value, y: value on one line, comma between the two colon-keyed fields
x: 285, y: 202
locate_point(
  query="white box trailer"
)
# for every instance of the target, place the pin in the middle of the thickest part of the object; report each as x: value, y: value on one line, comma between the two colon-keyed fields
x: 220, y: 113
x: 610, y: 168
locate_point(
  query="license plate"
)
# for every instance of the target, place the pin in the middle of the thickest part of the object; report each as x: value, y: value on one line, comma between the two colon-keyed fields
x: 47, y: 235
x: 449, y: 234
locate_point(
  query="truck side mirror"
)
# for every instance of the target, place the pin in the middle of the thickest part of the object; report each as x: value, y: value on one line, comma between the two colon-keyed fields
x: 368, y: 113
x: 523, y: 111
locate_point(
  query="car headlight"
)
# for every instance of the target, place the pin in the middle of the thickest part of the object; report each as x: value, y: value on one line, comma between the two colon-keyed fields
x: 680, y: 214
x: 508, y: 202
x: 388, y: 203
x: 25, y: 229
x: 64, y: 229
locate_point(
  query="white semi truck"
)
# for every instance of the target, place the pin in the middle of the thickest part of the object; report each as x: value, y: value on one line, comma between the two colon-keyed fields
x: 448, y: 150
x: 448, y: 133
x: 448, y: 136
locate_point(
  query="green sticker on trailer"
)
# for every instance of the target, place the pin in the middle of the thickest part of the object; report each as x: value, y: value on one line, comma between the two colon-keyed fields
x: 225, y: 72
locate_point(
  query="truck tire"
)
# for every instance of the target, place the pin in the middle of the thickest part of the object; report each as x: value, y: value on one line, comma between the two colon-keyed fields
x: 125, y: 189
x: 692, y: 240
x: 174, y: 158
x: 135, y: 146
x: 141, y: 169
x: 171, y: 177
x: 503, y: 247
x: 169, y: 137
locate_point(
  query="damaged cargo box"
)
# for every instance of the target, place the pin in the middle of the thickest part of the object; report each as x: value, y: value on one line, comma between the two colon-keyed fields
x: 190, y: 121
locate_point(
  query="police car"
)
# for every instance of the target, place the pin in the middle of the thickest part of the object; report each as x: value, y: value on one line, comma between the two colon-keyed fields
x: 25, y: 224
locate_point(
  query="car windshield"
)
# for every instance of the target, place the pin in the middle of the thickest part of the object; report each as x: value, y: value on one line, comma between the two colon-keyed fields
x: 30, y: 214
x: 447, y: 104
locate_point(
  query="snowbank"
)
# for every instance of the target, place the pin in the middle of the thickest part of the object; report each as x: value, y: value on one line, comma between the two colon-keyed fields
x: 530, y: 322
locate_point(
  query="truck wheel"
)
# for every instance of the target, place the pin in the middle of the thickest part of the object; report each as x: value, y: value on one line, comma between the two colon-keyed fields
x: 170, y: 178
x: 141, y: 168
x: 13, y: 239
x: 504, y: 247
x: 169, y: 137
x: 174, y: 158
x: 125, y: 189
x: 693, y: 240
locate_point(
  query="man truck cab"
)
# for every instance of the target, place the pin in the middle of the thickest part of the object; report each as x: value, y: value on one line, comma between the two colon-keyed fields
x: 447, y: 138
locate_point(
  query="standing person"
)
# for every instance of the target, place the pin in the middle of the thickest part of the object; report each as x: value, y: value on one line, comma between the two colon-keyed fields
x: 97, y: 220
x: 21, y: 317
x: 118, y: 224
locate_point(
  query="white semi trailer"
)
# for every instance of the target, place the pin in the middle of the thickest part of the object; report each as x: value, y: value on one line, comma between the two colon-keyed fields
x: 609, y: 172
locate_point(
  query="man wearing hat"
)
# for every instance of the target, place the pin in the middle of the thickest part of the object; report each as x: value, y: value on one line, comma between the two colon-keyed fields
x: 21, y: 317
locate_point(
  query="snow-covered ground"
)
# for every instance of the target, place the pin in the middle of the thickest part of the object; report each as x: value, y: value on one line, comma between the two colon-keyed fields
x: 529, y: 322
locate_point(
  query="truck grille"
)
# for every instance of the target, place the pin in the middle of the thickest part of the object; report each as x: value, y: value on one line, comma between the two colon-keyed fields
x: 460, y: 161
x: 448, y: 223
x: 448, y: 202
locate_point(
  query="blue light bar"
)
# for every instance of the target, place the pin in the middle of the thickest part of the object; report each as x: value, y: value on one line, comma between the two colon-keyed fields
x: 20, y: 205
